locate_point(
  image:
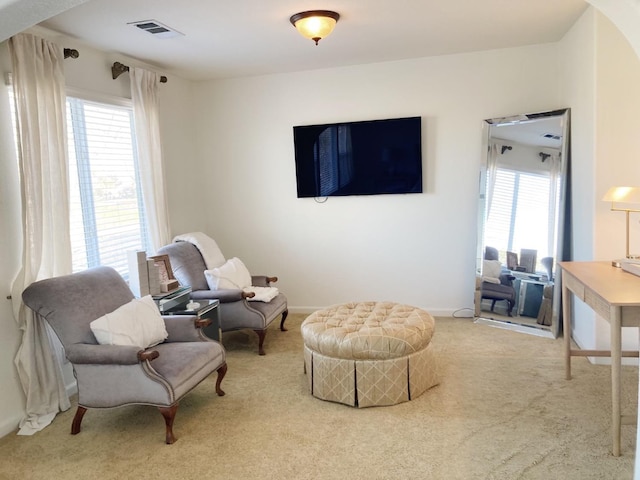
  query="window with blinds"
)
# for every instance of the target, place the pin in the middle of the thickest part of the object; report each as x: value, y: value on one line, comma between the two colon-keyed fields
x: 518, y: 215
x: 106, y: 209
x: 333, y: 154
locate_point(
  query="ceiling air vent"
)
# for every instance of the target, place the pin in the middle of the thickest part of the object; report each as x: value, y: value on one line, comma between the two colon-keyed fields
x: 552, y: 136
x: 156, y: 29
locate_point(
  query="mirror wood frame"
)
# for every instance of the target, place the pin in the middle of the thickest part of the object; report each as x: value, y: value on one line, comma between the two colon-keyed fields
x: 561, y: 251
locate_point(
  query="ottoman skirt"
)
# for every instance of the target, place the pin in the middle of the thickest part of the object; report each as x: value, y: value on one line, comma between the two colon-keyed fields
x: 368, y: 383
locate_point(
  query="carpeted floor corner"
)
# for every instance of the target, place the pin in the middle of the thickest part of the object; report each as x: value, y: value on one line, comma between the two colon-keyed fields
x: 502, y: 411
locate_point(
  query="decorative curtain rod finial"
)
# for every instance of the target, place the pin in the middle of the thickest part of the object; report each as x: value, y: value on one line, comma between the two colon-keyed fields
x: 118, y: 69
x: 71, y: 53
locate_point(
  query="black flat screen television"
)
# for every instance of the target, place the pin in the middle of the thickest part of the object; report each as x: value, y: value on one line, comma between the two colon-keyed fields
x: 359, y: 158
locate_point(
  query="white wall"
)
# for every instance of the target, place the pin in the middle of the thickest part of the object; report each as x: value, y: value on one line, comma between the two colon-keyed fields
x: 625, y: 14
x: 419, y: 248
x: 618, y: 147
x: 617, y: 154
x: 599, y: 75
x: 577, y: 80
x: 11, y: 397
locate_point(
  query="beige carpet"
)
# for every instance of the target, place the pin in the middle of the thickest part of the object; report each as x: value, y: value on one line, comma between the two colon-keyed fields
x: 502, y: 411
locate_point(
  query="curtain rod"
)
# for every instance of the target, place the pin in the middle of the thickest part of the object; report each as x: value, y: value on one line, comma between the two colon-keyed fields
x: 68, y: 53
x: 118, y: 69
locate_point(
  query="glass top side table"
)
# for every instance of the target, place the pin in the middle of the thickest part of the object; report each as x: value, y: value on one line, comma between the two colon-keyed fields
x: 205, y: 309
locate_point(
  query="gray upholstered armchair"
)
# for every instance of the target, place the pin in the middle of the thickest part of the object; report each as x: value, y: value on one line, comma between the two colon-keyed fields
x: 236, y: 312
x: 498, y: 284
x: 117, y: 375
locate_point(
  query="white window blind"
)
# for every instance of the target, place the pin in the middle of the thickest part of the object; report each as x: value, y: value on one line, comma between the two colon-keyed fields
x: 518, y: 215
x: 107, y: 214
x: 334, y: 156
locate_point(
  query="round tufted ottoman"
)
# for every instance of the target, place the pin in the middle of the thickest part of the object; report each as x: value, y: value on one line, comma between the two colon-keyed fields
x: 369, y: 354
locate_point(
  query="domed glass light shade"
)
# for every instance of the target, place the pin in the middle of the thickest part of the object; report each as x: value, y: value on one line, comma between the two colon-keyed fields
x: 315, y: 24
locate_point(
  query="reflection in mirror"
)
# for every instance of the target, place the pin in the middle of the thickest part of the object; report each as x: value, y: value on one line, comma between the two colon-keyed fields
x: 521, y: 221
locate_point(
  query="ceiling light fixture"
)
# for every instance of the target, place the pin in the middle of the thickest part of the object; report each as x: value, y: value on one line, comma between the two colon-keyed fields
x: 315, y: 24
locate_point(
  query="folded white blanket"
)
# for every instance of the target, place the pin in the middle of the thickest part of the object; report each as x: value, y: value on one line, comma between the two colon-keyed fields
x: 263, y: 294
x: 208, y: 247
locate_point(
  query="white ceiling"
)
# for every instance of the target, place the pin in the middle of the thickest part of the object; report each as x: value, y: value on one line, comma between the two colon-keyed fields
x: 232, y: 38
x: 532, y: 132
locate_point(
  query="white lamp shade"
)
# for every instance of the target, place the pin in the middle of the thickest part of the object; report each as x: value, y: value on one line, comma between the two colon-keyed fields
x: 622, y: 195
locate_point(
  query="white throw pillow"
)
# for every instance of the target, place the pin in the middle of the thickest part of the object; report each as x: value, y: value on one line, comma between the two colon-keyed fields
x: 233, y: 274
x: 136, y: 323
x: 491, y: 270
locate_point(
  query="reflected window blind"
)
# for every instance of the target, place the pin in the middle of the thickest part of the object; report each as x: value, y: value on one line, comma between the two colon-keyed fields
x: 107, y: 214
x: 518, y: 213
x: 334, y: 156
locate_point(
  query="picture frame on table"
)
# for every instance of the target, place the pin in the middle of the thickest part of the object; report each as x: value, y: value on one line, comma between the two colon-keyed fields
x: 164, y: 267
x: 165, y: 272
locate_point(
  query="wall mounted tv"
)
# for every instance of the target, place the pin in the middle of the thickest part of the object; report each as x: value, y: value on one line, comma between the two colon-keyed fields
x: 359, y: 158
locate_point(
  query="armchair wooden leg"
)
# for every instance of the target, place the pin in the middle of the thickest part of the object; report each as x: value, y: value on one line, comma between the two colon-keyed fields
x: 261, y: 335
x: 77, y: 420
x: 284, y: 317
x: 169, y: 413
x: 511, y: 304
x: 222, y: 371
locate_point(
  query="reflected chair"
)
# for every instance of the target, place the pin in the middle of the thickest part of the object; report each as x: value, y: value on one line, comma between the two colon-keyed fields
x: 497, y: 285
x: 117, y: 375
x: 497, y: 292
x: 528, y: 260
x: 236, y: 312
x: 491, y: 253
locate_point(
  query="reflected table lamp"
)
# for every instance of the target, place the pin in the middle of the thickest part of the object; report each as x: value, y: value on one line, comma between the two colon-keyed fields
x: 623, y: 195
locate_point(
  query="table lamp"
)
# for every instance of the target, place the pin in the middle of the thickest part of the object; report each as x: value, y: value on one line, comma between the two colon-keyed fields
x: 623, y: 195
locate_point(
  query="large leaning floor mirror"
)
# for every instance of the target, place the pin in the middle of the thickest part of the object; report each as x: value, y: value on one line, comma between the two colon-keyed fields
x: 522, y: 218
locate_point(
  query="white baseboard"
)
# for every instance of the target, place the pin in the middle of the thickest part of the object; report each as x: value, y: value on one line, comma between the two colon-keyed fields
x: 436, y: 312
x: 9, y: 425
x: 307, y: 310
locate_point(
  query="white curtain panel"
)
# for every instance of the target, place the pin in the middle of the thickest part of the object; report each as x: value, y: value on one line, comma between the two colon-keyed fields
x: 554, y: 185
x: 492, y: 170
x: 144, y: 94
x: 39, y: 89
